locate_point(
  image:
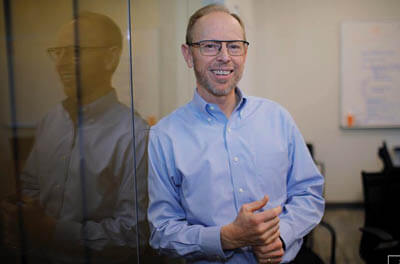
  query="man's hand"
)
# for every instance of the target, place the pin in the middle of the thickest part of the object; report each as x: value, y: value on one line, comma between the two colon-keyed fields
x: 269, y: 253
x: 251, y: 228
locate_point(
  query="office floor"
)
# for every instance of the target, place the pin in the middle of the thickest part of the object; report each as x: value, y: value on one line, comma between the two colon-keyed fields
x: 346, y: 223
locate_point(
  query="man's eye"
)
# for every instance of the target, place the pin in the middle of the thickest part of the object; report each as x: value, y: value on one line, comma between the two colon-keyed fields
x: 210, y: 46
x: 57, y: 51
x: 234, y: 46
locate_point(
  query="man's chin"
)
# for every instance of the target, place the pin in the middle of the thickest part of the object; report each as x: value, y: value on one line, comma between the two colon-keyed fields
x: 220, y: 91
x: 70, y: 91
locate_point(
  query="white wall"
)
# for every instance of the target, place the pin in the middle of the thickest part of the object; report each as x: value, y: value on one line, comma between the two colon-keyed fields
x: 298, y: 65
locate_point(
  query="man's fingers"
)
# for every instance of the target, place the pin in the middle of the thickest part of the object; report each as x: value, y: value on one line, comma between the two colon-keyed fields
x: 269, y: 214
x: 265, y: 249
x: 257, y: 205
x: 271, y: 224
x: 270, y: 236
x: 271, y: 253
x: 270, y: 260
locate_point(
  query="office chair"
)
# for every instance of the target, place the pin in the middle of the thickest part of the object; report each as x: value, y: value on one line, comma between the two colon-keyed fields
x: 306, y: 255
x: 381, y: 232
x: 384, y: 155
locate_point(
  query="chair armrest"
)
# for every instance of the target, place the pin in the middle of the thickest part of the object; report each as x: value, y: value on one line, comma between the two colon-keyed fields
x: 387, y: 240
x: 379, y: 233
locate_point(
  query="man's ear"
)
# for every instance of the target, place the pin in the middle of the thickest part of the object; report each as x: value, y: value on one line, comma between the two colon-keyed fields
x: 187, y: 54
x: 112, y: 58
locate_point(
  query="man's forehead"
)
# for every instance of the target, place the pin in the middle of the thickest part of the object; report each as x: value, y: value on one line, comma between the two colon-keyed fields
x: 90, y: 34
x: 217, y: 25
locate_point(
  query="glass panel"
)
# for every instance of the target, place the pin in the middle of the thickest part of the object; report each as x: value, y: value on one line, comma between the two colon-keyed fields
x: 73, y: 153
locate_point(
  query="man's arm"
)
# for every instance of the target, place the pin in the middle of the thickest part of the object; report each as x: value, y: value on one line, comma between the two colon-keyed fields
x: 304, y: 206
x: 116, y: 232
x: 171, y: 234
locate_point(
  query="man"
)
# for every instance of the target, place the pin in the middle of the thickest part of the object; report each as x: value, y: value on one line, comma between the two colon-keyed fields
x: 230, y: 177
x: 79, y: 202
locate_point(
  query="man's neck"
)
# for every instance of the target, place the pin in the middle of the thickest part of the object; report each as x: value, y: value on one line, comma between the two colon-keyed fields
x: 93, y: 96
x: 226, y: 103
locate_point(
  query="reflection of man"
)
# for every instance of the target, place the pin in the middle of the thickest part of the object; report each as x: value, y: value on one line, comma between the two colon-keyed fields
x: 78, y: 183
x: 230, y: 178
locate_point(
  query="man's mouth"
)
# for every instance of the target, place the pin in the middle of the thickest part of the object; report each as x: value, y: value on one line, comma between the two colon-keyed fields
x: 67, y: 76
x: 222, y: 72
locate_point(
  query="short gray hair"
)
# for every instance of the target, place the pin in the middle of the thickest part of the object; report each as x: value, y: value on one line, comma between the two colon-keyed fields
x: 205, y: 11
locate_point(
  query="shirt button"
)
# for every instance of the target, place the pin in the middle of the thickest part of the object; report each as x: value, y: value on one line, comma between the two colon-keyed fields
x: 236, y: 159
x: 241, y: 190
x: 212, y: 107
x: 209, y: 119
x: 229, y: 130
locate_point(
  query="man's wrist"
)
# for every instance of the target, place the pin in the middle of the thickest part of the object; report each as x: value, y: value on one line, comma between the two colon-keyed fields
x: 228, y: 241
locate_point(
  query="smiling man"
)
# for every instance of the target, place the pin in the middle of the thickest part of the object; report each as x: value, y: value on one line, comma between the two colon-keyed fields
x: 230, y: 177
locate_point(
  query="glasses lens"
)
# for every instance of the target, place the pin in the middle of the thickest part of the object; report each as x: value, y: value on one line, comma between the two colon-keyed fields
x: 210, y: 48
x: 235, y: 48
x: 55, y: 53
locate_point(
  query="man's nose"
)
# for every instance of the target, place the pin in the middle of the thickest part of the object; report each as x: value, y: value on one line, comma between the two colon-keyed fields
x: 67, y: 59
x: 223, y: 54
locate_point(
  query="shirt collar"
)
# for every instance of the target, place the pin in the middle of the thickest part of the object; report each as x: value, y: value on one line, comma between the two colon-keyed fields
x: 93, y: 110
x: 242, y: 102
x: 203, y: 106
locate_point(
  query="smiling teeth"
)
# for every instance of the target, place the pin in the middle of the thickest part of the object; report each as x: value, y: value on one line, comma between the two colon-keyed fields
x: 222, y: 72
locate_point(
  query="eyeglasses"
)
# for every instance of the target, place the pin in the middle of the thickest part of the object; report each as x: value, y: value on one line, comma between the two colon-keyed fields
x: 213, y: 47
x: 58, y: 52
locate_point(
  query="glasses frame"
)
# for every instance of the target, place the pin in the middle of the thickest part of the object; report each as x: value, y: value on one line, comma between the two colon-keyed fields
x: 73, y: 48
x: 198, y: 44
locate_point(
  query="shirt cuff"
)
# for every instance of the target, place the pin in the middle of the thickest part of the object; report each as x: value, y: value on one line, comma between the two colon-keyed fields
x: 286, y: 234
x: 210, y: 238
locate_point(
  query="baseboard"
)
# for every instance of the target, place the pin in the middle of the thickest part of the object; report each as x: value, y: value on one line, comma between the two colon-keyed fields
x: 344, y: 205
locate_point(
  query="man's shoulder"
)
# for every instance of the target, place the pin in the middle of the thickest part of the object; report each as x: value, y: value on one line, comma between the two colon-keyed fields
x: 56, y: 113
x: 265, y: 106
x: 175, y: 120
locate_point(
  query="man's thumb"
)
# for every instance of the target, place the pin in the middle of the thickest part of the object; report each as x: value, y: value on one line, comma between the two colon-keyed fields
x: 257, y: 205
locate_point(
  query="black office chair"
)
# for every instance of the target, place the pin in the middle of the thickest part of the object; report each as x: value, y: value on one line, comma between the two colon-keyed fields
x: 306, y: 254
x: 381, y: 232
x: 384, y: 155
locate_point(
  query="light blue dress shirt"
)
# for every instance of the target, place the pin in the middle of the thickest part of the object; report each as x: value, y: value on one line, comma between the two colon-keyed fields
x: 203, y: 167
x: 53, y: 175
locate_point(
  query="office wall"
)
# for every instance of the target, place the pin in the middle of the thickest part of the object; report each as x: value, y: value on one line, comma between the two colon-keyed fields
x: 298, y: 58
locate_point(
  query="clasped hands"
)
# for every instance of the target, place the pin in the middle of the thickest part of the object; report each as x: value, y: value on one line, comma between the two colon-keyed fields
x: 260, y: 230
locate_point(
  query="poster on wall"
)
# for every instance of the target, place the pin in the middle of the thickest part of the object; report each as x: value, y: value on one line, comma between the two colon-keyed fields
x: 370, y: 75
